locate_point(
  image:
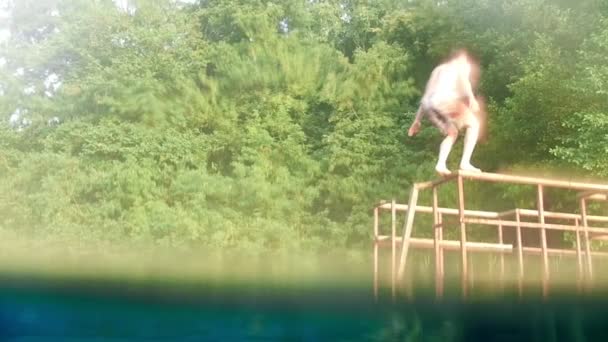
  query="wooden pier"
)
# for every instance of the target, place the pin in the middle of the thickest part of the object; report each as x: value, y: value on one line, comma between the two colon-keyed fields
x: 579, y: 225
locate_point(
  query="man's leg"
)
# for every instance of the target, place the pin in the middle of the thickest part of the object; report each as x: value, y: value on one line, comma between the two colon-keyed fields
x: 444, y: 152
x: 439, y: 115
x: 470, y: 141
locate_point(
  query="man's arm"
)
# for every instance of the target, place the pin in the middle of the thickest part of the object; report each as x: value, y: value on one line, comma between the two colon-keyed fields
x: 419, y: 114
x: 415, y: 127
x: 468, y: 90
x: 430, y: 87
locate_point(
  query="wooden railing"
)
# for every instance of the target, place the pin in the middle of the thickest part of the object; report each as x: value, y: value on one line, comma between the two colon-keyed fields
x: 512, y: 218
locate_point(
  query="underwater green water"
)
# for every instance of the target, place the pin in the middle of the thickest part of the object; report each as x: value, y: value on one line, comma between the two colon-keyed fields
x: 33, y: 310
x: 150, y: 297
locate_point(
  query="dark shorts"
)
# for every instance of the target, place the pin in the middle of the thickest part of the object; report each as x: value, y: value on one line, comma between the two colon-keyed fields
x: 443, y: 121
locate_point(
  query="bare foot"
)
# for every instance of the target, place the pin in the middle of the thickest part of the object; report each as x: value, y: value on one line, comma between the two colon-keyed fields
x: 443, y: 170
x: 469, y: 168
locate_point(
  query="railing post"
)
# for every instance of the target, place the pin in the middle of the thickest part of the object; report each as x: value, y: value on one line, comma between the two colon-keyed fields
x: 438, y: 260
x: 463, y: 237
x: 583, y: 204
x: 376, y: 223
x: 393, y: 247
x: 441, y: 260
x: 520, y: 253
x: 579, y: 257
x: 543, y: 239
x: 502, y: 256
x: 407, y: 231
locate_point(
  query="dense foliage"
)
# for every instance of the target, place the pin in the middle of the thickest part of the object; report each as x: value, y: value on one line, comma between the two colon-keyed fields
x: 271, y: 125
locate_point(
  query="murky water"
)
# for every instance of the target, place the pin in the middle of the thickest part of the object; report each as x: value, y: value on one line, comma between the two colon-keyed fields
x: 192, y: 299
x: 85, y: 312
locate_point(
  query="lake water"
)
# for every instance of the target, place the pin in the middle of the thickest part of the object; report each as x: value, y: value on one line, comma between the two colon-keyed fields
x: 111, y: 311
x: 188, y: 299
